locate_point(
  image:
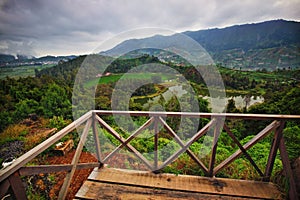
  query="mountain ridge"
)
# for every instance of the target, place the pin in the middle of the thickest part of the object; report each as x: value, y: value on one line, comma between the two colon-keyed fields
x: 271, y: 45
x: 268, y: 30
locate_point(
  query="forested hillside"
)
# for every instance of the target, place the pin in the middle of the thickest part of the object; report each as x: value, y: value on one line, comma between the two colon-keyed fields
x: 23, y: 96
x: 268, y: 45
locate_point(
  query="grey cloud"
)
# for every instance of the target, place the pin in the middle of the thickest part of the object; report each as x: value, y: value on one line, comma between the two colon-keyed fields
x: 77, y: 26
x: 15, y: 47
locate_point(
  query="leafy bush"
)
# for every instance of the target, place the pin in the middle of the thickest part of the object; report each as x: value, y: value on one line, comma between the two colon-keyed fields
x: 58, y: 122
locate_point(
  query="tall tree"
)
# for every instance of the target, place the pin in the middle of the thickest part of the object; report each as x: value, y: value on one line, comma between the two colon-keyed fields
x: 56, y: 102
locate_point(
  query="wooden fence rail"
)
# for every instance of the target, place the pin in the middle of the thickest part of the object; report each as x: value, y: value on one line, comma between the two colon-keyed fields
x: 10, y: 176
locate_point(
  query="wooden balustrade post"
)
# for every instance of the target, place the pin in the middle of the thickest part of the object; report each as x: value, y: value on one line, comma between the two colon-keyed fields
x: 4, y: 186
x: 96, y: 139
x: 156, y: 143
x: 17, y: 186
x: 273, y: 151
x: 217, y: 132
x: 288, y: 170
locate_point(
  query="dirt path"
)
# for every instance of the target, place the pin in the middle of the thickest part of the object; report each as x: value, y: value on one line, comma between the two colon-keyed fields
x: 79, y: 177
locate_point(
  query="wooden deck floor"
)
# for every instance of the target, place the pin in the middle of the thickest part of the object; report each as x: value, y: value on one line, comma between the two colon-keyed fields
x: 109, y: 183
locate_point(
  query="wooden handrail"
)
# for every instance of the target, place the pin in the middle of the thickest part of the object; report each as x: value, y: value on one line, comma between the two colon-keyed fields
x: 28, y: 156
x: 93, y: 119
x: 200, y: 115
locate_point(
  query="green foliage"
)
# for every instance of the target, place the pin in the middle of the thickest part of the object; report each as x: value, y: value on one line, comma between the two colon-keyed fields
x: 184, y: 165
x: 144, y: 90
x: 130, y: 63
x: 290, y: 102
x: 5, y: 120
x: 34, y: 195
x: 231, y: 108
x: 55, y: 102
x: 292, y: 141
x: 166, y: 148
x: 26, y: 107
x: 58, y: 122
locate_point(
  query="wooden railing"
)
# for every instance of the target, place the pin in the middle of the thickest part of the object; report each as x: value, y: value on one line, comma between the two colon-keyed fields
x: 10, y: 176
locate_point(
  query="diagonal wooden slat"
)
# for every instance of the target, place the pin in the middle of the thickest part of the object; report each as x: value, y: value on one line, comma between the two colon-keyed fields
x: 188, y: 144
x: 179, y: 141
x: 131, y: 137
x: 236, y: 141
x: 118, y: 137
x: 64, y: 189
x: 247, y: 146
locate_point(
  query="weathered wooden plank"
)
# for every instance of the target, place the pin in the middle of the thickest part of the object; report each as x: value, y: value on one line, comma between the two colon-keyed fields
x: 32, y: 170
x: 98, y: 190
x: 64, y: 147
x: 3, y: 188
x: 172, y: 182
x: 17, y: 186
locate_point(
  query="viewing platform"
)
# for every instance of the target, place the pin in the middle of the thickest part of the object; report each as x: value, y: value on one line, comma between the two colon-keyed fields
x: 150, y: 182
x: 111, y: 183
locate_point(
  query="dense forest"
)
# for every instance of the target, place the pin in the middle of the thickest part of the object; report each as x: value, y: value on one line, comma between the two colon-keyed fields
x: 49, y: 93
x: 48, y: 96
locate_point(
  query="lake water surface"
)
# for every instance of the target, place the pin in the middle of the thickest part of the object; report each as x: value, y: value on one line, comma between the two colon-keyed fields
x: 178, y: 91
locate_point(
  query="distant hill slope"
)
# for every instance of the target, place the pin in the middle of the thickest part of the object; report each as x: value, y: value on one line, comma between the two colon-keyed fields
x: 270, y: 45
x: 10, y: 60
x: 6, y: 58
x: 263, y: 35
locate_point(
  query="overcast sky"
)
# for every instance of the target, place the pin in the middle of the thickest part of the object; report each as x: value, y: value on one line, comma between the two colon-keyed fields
x: 65, y: 27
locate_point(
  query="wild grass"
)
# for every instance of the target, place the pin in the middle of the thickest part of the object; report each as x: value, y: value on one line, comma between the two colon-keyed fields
x: 13, y: 133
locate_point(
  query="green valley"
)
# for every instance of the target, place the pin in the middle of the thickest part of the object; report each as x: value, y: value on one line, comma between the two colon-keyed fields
x: 47, y: 99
